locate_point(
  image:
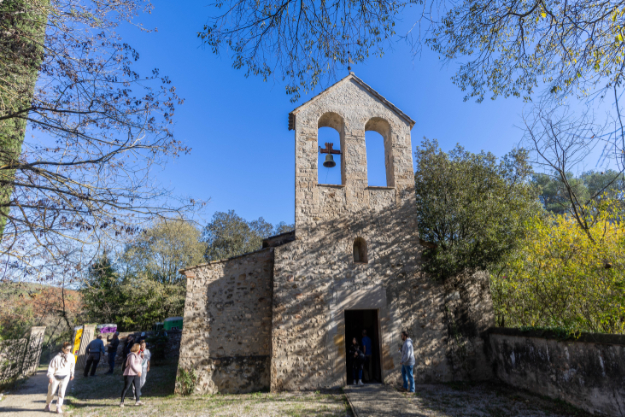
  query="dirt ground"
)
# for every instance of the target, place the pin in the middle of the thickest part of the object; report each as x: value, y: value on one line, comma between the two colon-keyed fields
x: 100, y: 396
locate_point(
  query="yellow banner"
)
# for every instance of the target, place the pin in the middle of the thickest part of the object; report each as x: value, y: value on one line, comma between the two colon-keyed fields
x: 77, y: 343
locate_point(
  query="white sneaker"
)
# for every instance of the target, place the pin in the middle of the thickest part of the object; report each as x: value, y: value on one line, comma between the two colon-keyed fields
x: 138, y: 403
x: 360, y: 382
x: 355, y: 382
x: 121, y: 405
x: 59, y: 410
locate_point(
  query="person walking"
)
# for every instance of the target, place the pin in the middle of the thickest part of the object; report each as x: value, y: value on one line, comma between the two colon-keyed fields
x: 146, y: 355
x: 132, y: 374
x: 94, y: 350
x: 60, y: 372
x: 112, y: 351
x: 145, y: 361
x: 357, y: 361
x: 407, y: 362
x: 368, y: 351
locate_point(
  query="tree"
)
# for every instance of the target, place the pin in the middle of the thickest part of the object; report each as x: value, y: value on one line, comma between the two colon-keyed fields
x: 229, y: 235
x: 162, y: 250
x: 471, y: 208
x: 98, y: 130
x: 101, y: 292
x: 560, y: 144
x: 303, y: 42
x: 512, y: 47
x: 560, y: 279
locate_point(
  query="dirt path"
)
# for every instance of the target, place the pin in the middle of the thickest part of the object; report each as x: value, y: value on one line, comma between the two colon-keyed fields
x: 28, y: 399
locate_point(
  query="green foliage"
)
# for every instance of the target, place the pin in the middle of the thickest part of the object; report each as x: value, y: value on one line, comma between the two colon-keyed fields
x: 588, y: 186
x: 559, y: 278
x: 163, y: 249
x: 20, y: 58
x: 229, y: 235
x: 186, y: 381
x: 471, y: 209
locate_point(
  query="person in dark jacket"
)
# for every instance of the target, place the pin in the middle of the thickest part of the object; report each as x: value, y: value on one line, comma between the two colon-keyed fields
x: 358, y: 359
x: 130, y: 340
x: 94, y: 351
x: 112, y: 350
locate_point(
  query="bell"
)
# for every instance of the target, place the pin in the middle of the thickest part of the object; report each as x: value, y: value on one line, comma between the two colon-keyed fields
x: 329, y: 162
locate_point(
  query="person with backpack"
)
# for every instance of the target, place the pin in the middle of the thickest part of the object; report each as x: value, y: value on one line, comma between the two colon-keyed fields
x: 407, y: 362
x: 60, y: 372
x: 132, y: 374
x: 358, y: 359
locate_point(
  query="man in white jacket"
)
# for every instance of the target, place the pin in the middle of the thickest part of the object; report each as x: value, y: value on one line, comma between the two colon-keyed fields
x: 407, y: 362
x: 60, y: 372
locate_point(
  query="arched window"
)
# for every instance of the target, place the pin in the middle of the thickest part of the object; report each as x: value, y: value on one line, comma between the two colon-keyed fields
x: 360, y: 251
x: 330, y: 130
x: 380, y: 170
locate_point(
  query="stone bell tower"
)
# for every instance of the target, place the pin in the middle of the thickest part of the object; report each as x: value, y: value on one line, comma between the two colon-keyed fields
x: 350, y: 107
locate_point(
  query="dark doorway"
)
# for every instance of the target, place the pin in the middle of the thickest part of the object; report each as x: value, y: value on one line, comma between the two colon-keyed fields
x: 355, y: 322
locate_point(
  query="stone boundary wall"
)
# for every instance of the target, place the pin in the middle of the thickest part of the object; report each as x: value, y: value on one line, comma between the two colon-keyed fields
x: 21, y: 357
x: 587, y: 372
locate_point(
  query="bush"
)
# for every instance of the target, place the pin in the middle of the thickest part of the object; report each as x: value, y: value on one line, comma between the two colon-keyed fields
x: 560, y: 278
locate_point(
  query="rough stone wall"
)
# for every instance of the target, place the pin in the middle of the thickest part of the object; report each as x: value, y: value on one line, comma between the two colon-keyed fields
x: 227, y: 324
x: 21, y: 357
x: 316, y: 278
x: 587, y: 372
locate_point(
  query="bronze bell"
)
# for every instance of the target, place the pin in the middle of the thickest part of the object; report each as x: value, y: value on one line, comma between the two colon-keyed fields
x: 329, y: 162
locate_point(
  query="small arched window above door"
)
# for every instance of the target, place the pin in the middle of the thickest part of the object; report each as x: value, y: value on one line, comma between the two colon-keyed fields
x: 360, y: 251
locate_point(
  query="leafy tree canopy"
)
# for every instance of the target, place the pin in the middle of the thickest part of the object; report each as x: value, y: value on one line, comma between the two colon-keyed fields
x: 588, y: 186
x: 229, y: 235
x: 471, y: 208
x: 163, y: 249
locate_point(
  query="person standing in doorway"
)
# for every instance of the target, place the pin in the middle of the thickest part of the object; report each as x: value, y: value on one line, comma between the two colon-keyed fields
x: 357, y: 361
x: 367, y: 350
x: 95, y: 349
x: 407, y: 362
x: 112, y: 350
x: 60, y: 372
x: 132, y: 374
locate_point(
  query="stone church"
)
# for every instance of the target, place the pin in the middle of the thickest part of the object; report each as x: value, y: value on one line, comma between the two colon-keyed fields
x: 280, y: 318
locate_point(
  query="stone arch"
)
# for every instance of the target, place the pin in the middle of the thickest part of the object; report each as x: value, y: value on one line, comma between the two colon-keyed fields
x: 383, y: 127
x: 360, y: 251
x: 336, y: 122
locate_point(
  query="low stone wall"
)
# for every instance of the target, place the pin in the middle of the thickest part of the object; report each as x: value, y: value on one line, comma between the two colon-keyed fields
x: 587, y: 372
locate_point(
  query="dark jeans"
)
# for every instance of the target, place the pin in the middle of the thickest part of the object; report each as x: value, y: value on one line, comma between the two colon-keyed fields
x: 359, y: 373
x: 112, y: 361
x: 132, y: 380
x: 93, y: 359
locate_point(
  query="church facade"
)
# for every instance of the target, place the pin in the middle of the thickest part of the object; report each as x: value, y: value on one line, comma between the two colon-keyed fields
x: 280, y: 318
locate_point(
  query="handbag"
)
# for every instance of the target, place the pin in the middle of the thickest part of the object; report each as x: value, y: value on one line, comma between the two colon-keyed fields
x: 60, y: 377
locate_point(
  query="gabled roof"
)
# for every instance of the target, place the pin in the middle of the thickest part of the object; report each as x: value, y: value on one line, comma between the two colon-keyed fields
x: 360, y: 82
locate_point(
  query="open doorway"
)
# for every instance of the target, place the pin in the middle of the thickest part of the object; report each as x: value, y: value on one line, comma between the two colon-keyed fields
x: 355, y: 322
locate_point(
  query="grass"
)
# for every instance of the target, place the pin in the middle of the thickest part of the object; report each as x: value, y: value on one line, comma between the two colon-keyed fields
x: 100, y: 396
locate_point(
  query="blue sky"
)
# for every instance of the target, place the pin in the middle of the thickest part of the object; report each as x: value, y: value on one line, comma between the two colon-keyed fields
x: 242, y: 151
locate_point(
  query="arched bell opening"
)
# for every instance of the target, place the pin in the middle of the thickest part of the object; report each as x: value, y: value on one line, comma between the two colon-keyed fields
x: 360, y: 251
x: 378, y: 141
x: 330, y: 164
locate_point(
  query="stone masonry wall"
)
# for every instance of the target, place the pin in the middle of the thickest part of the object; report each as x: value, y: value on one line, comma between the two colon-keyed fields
x: 316, y: 278
x: 587, y: 372
x: 227, y: 324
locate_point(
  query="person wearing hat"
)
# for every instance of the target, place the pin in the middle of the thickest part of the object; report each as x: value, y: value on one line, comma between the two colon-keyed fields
x: 113, y: 344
